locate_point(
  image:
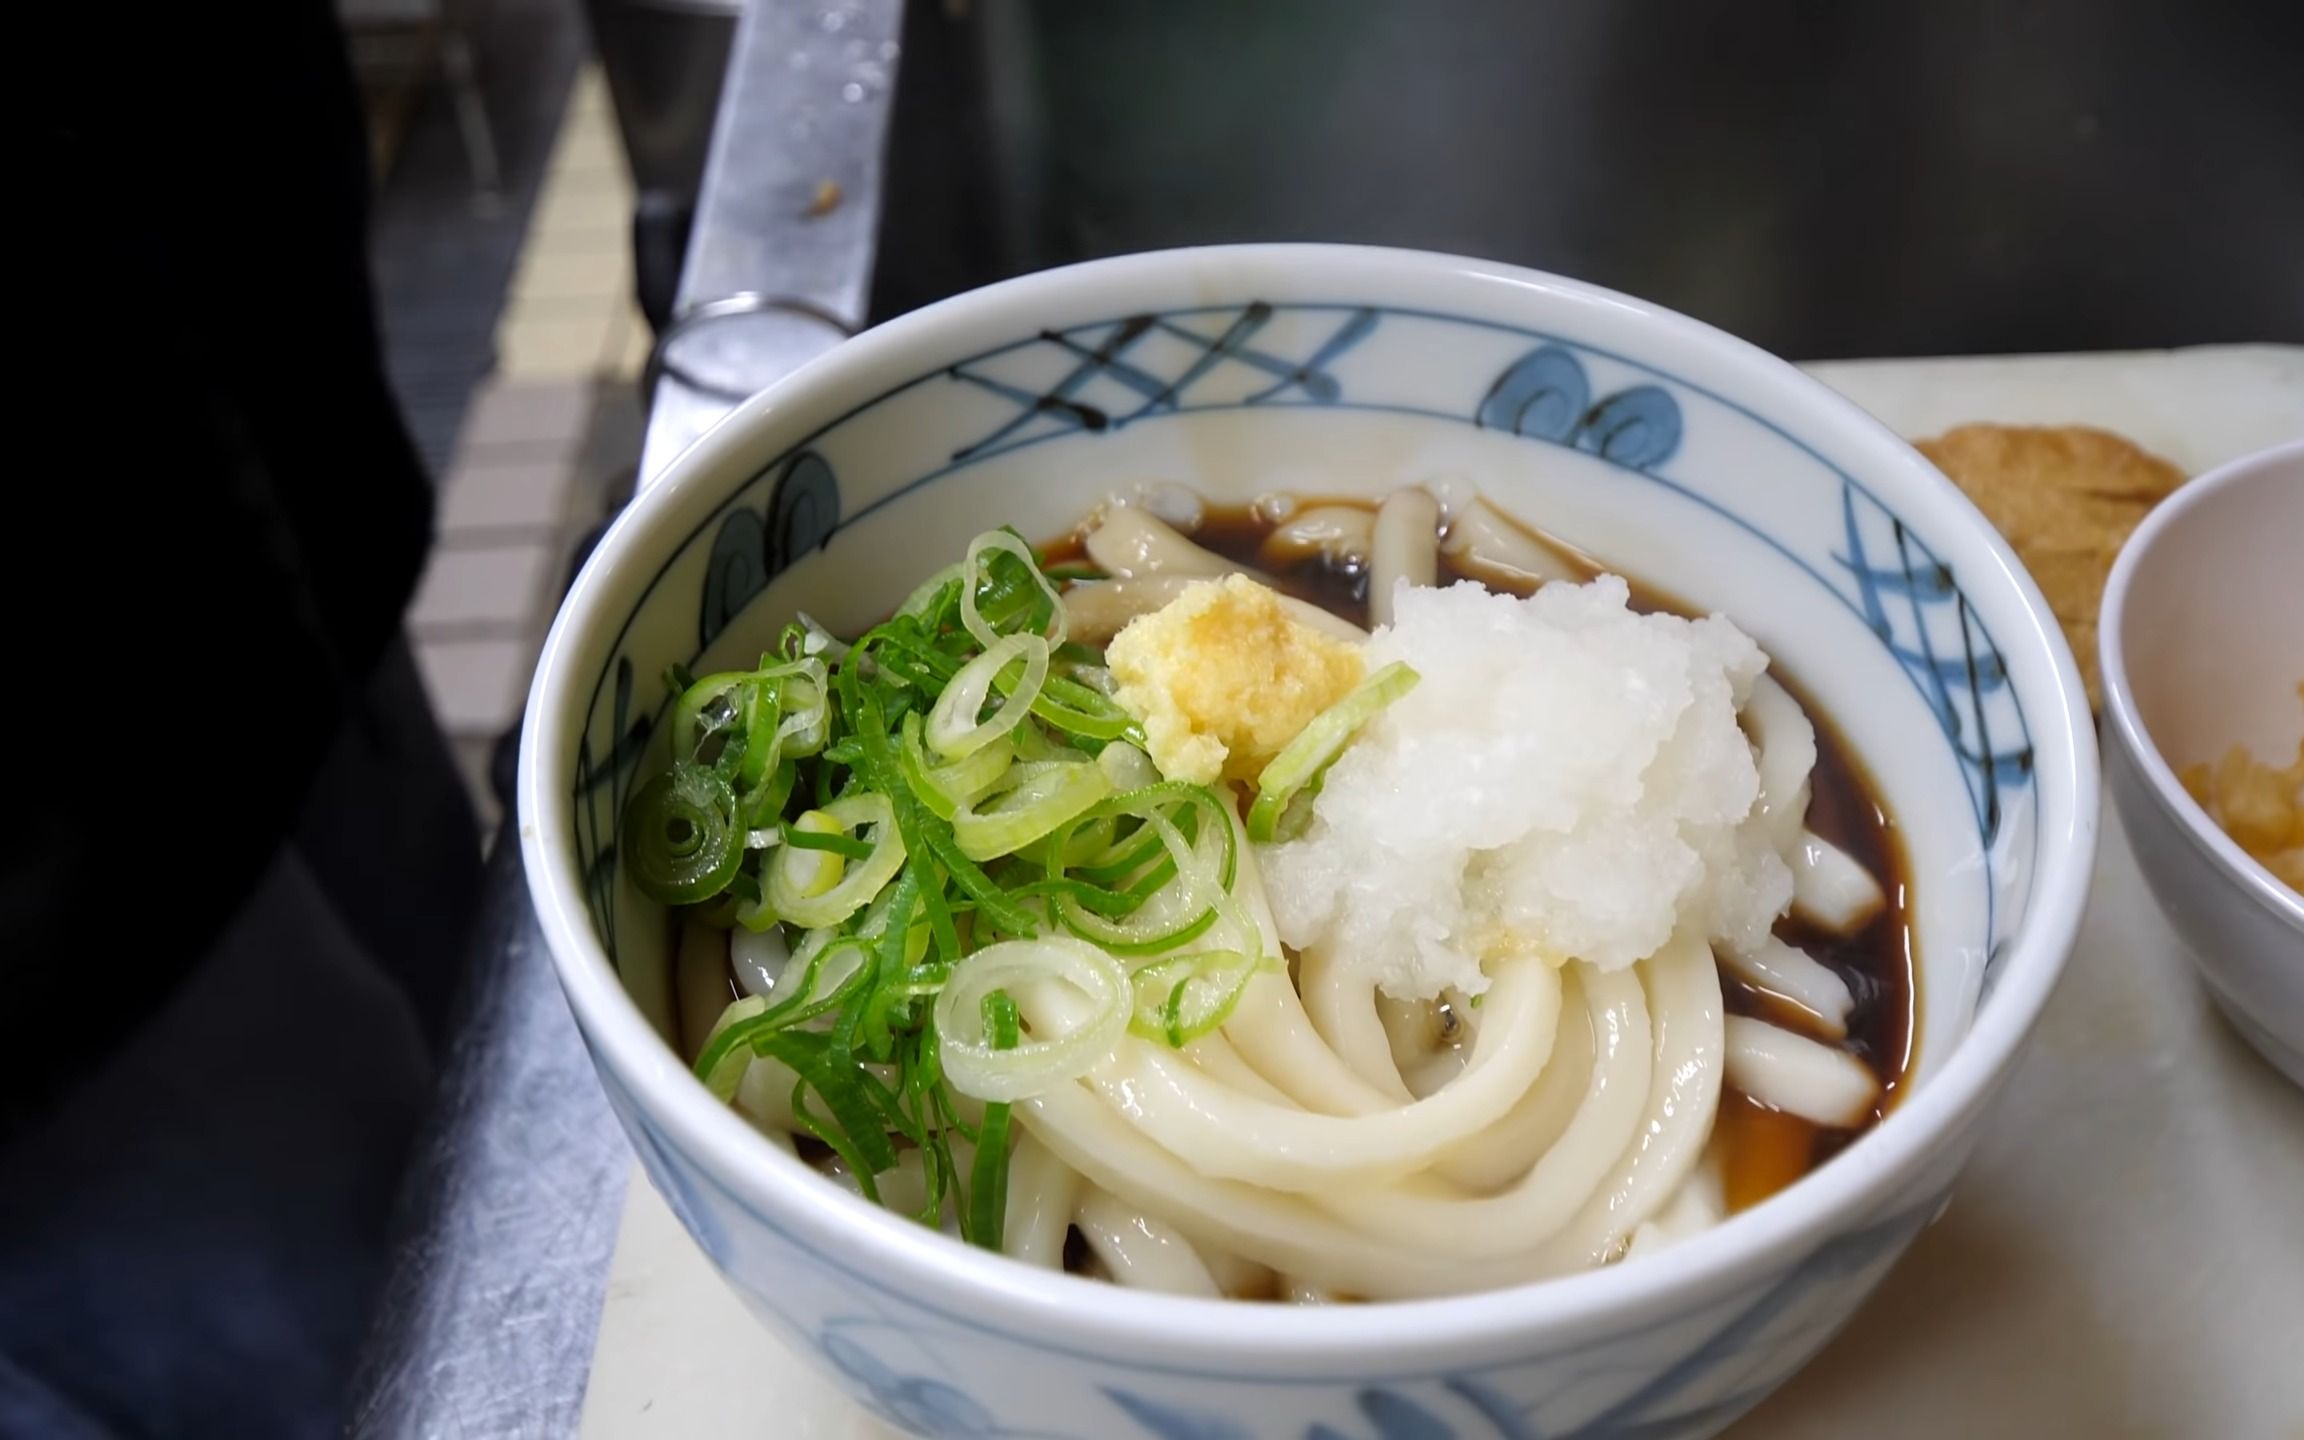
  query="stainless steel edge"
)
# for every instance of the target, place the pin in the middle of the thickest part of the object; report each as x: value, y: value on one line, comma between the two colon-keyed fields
x: 779, y: 269
x: 508, y: 1218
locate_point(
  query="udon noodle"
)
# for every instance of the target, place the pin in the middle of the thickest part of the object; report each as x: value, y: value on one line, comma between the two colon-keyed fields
x: 1328, y: 1133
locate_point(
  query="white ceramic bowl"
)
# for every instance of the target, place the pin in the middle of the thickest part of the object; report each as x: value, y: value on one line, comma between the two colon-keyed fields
x: 1671, y: 450
x: 2202, y: 640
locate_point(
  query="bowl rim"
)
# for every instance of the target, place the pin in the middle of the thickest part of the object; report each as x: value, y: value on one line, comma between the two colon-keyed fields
x: 952, y: 1279
x: 2160, y: 778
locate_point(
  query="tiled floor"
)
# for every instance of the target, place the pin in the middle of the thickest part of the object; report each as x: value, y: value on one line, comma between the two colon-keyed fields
x: 547, y: 446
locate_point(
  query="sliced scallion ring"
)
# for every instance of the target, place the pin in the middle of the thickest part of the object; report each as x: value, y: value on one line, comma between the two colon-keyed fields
x: 972, y: 1061
x: 681, y: 840
x: 943, y: 789
x: 975, y: 572
x: 953, y: 731
x: 1032, y: 801
x: 1180, y: 998
x: 1298, y: 770
x: 792, y: 872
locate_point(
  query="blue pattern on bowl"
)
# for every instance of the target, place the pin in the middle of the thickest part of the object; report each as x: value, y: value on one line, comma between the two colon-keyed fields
x: 916, y: 1365
x: 1881, y: 569
x: 1737, y: 1357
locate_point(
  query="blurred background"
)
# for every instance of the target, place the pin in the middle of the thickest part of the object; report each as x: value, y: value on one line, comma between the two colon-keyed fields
x: 1828, y: 181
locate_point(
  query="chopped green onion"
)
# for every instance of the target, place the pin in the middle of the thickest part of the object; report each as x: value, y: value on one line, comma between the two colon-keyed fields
x: 925, y: 600
x: 953, y: 729
x: 976, y: 1066
x: 1030, y: 802
x: 945, y: 788
x: 792, y: 872
x: 977, y: 578
x: 932, y: 826
x: 988, y: 1184
x: 681, y: 841
x: 1180, y: 998
x: 838, y: 842
x: 1296, y: 773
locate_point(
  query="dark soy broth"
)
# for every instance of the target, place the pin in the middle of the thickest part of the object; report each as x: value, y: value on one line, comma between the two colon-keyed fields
x: 1763, y: 1149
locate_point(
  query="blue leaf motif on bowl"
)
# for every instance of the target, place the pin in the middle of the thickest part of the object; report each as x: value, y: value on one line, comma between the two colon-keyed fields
x: 1390, y: 1414
x: 753, y: 547
x: 1545, y: 395
x: 1168, y: 1422
x: 915, y: 1403
x: 1638, y: 428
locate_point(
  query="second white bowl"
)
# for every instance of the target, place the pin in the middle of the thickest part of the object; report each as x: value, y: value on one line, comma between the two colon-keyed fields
x: 2202, y: 641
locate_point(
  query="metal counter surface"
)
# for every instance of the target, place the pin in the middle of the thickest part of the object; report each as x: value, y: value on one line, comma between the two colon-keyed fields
x: 510, y: 1210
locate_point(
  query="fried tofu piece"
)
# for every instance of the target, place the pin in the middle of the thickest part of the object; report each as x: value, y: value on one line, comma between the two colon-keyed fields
x: 2066, y: 497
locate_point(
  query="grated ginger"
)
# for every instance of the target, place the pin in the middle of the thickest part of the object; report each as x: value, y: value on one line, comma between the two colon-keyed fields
x: 1223, y: 677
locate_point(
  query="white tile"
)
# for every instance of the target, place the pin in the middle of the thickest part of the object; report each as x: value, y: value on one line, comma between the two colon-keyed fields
x: 574, y: 275
x: 491, y: 585
x: 625, y: 347
x: 506, y: 495
x: 510, y: 412
x: 533, y: 345
x: 591, y: 210
x: 475, y: 685
x: 588, y: 144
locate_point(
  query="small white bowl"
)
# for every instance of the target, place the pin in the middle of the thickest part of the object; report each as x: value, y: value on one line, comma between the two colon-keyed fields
x: 2202, y: 639
x: 1679, y: 453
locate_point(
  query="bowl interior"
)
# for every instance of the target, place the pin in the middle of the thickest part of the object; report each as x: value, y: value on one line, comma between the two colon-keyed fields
x: 2209, y: 633
x: 1667, y: 450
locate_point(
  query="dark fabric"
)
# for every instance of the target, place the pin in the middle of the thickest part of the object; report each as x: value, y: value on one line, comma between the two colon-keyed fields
x: 192, y: 1242
x: 231, y: 518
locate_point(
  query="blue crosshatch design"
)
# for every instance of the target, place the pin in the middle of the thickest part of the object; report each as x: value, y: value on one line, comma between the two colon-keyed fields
x: 1910, y: 600
x: 1725, y: 1373
x: 1102, y: 350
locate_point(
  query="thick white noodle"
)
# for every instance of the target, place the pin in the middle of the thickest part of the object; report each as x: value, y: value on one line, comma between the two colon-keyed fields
x: 1786, y: 970
x: 1344, y: 1012
x: 1237, y: 1275
x: 759, y: 958
x: 1340, y: 534
x: 1220, y: 1062
x: 1784, y: 745
x: 1097, y: 610
x: 1797, y: 1075
x: 1283, y: 1231
x: 1699, y: 1204
x: 1132, y: 543
x: 764, y: 1095
x: 1486, y: 545
x: 1563, y: 1180
x: 903, y: 1187
x: 700, y: 979
x: 1508, y: 1149
x: 1139, y: 1250
x: 1237, y: 1137
x: 1829, y: 888
x: 1683, y: 1100
x: 1042, y: 1194
x: 1268, y: 1026
x: 1327, y: 1143
x: 1404, y: 546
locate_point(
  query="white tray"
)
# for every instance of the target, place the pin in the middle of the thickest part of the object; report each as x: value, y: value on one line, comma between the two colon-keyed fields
x: 2125, y: 1256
